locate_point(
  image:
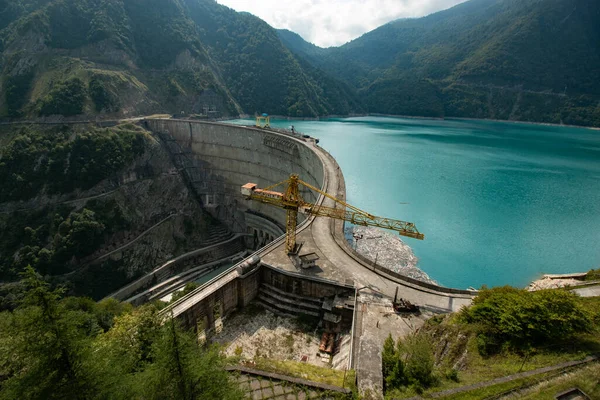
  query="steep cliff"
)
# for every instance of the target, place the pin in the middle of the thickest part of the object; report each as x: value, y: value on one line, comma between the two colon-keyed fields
x: 99, y: 224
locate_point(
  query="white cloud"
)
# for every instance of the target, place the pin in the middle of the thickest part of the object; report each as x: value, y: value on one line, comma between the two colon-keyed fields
x: 335, y: 22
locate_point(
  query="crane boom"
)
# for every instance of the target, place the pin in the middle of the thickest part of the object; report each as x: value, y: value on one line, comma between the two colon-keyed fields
x: 291, y: 201
x: 403, y: 228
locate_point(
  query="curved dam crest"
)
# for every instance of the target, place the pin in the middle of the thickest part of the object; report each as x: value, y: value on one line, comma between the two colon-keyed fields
x: 500, y: 203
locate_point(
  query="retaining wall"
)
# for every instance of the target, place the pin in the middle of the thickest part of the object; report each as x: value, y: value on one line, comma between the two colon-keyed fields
x: 236, y: 292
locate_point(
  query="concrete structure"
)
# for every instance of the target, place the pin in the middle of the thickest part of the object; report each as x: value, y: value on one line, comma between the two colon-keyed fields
x: 217, y: 159
x: 280, y: 291
x: 139, y: 291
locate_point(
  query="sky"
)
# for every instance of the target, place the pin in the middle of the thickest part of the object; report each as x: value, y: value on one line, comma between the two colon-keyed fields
x: 334, y: 22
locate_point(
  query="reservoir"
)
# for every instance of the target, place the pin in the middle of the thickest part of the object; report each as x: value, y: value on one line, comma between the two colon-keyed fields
x: 499, y: 203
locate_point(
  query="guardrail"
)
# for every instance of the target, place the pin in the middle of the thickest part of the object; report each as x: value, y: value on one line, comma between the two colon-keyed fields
x: 127, y: 290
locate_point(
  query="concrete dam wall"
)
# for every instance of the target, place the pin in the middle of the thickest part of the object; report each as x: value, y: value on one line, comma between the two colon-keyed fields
x: 218, y: 159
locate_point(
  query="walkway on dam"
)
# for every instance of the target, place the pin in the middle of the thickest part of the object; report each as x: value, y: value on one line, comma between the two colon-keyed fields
x: 336, y: 261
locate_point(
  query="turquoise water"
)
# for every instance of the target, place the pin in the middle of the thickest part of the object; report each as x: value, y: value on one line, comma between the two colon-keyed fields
x: 499, y: 203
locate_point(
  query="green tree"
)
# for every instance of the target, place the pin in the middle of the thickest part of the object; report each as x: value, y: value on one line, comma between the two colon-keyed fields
x: 388, y: 355
x: 73, y: 348
x: 16, y: 92
x: 85, y: 234
x: 103, y: 99
x: 189, y: 288
x: 48, y: 355
x: 126, y: 350
x: 522, y: 319
x: 408, y: 363
x: 108, y: 309
x: 182, y: 370
x: 397, y: 371
x: 66, y: 99
x: 128, y: 344
x: 419, y: 360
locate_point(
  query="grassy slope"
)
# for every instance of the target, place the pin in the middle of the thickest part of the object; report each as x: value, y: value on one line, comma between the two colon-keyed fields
x: 482, y: 369
x: 542, y: 387
x: 310, y: 372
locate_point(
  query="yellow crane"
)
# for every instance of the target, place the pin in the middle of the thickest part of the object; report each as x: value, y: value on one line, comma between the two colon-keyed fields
x: 291, y: 200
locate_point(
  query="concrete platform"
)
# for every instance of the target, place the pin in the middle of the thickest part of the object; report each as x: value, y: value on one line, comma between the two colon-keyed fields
x: 590, y: 291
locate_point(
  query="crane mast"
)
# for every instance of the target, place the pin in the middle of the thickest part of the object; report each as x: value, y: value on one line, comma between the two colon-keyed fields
x: 291, y: 200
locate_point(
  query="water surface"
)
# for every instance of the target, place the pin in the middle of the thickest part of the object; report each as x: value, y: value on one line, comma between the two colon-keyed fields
x: 499, y: 203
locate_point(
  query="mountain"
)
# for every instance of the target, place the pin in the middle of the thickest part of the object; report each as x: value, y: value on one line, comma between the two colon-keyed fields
x: 523, y: 60
x: 298, y: 45
x: 117, y: 57
x: 528, y: 60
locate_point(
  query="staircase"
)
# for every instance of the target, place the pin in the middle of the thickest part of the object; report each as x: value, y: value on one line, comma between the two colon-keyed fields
x: 216, y: 234
x: 287, y: 304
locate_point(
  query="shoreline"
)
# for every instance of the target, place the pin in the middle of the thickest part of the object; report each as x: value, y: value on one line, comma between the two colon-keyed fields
x: 594, y: 128
x: 326, y: 117
x: 57, y: 120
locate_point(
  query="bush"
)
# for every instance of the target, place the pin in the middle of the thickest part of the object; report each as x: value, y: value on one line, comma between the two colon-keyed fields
x: 63, y: 162
x: 103, y: 99
x: 189, y: 288
x: 388, y: 355
x: 65, y: 99
x: 452, y: 375
x: 16, y: 92
x: 521, y: 319
x: 419, y: 360
x: 593, y: 275
x: 409, y: 363
x: 392, y: 365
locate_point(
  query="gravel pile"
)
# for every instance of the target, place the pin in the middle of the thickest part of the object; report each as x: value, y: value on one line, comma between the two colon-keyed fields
x: 548, y: 283
x: 268, y: 336
x: 389, y: 251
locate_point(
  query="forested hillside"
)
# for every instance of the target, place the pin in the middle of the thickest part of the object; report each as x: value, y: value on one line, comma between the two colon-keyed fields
x: 58, y: 347
x: 115, y: 57
x: 72, y: 194
x: 528, y: 60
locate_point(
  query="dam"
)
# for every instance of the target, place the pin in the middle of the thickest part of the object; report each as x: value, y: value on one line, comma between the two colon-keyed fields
x: 216, y: 160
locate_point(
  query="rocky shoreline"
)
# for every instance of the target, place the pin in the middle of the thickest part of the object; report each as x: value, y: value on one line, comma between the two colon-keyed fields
x: 557, y: 281
x: 387, y: 250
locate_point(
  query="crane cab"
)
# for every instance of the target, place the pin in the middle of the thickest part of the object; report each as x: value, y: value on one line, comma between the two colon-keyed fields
x: 248, y: 189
